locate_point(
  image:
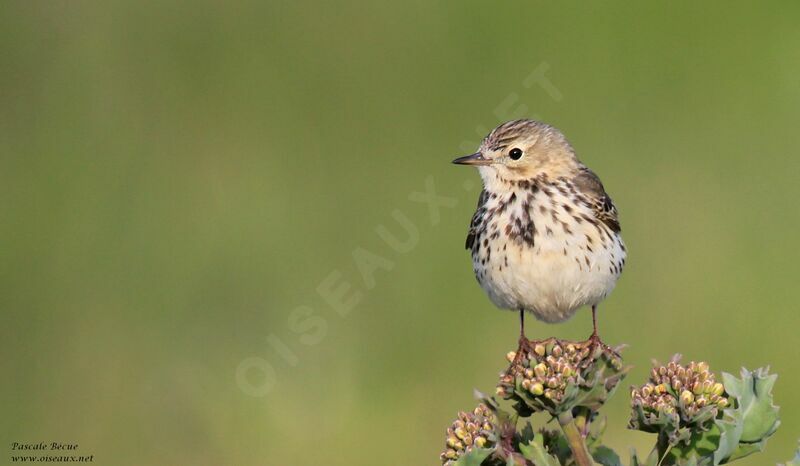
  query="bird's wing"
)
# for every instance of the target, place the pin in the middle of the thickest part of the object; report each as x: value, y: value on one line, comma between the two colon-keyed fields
x: 588, y: 184
x: 477, y: 218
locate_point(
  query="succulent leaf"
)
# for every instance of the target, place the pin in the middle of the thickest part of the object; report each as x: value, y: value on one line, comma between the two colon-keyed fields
x: 606, y: 456
x: 651, y: 460
x: 730, y: 427
x: 745, y: 449
x: 474, y: 457
x: 555, y: 443
x: 536, y: 452
x: 753, y: 393
x: 698, y: 449
x: 690, y: 462
x: 752, y: 418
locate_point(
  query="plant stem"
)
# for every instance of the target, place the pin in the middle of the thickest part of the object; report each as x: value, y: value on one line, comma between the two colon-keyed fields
x: 582, y: 421
x: 663, y: 447
x: 575, y: 440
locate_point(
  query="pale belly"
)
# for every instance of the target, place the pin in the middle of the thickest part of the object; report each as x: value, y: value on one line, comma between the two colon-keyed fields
x: 565, y: 268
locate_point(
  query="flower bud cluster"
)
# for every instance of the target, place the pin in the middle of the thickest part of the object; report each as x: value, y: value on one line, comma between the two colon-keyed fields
x: 555, y: 375
x: 688, y: 394
x: 470, y: 429
x: 545, y: 371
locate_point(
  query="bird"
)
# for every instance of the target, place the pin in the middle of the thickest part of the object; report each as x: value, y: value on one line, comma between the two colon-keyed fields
x: 545, y: 237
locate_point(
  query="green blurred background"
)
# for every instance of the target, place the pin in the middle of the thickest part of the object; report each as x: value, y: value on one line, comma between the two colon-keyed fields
x: 177, y: 179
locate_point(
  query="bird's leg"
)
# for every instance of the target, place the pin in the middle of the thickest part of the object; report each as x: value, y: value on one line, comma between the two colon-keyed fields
x: 522, y: 346
x: 594, y: 337
x: 524, y: 343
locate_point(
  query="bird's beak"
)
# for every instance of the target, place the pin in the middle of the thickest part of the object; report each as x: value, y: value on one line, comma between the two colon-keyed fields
x: 472, y: 159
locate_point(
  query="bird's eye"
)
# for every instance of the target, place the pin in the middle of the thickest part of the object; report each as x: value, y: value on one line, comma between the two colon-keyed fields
x: 515, y: 154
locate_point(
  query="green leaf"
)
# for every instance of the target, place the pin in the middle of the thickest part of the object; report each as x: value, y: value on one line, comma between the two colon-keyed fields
x: 526, y: 434
x: 474, y: 457
x: 753, y: 393
x: 597, y: 427
x: 730, y: 449
x: 555, y: 443
x: 536, y: 452
x: 699, y: 448
x: 651, y: 460
x: 730, y: 427
x: 606, y: 456
x: 654, y: 422
x: 746, y: 449
x: 601, y: 383
x: 750, y: 420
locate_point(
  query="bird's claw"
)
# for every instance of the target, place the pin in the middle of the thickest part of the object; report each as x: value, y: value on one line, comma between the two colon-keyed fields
x: 594, y: 340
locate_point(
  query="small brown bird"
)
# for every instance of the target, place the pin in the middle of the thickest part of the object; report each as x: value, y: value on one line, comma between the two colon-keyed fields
x: 545, y: 237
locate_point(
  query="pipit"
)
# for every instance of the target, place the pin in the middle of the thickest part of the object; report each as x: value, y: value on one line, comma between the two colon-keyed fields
x: 545, y: 237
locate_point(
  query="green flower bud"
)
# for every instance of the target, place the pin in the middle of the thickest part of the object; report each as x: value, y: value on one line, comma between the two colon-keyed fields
x: 707, y: 386
x: 537, y: 388
x: 697, y: 388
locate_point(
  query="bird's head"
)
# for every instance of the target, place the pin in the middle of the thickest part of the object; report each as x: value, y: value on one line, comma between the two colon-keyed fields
x: 522, y: 150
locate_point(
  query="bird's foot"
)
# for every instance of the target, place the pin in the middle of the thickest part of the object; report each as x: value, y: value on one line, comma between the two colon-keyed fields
x: 523, y: 346
x: 594, y: 340
x: 523, y: 342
